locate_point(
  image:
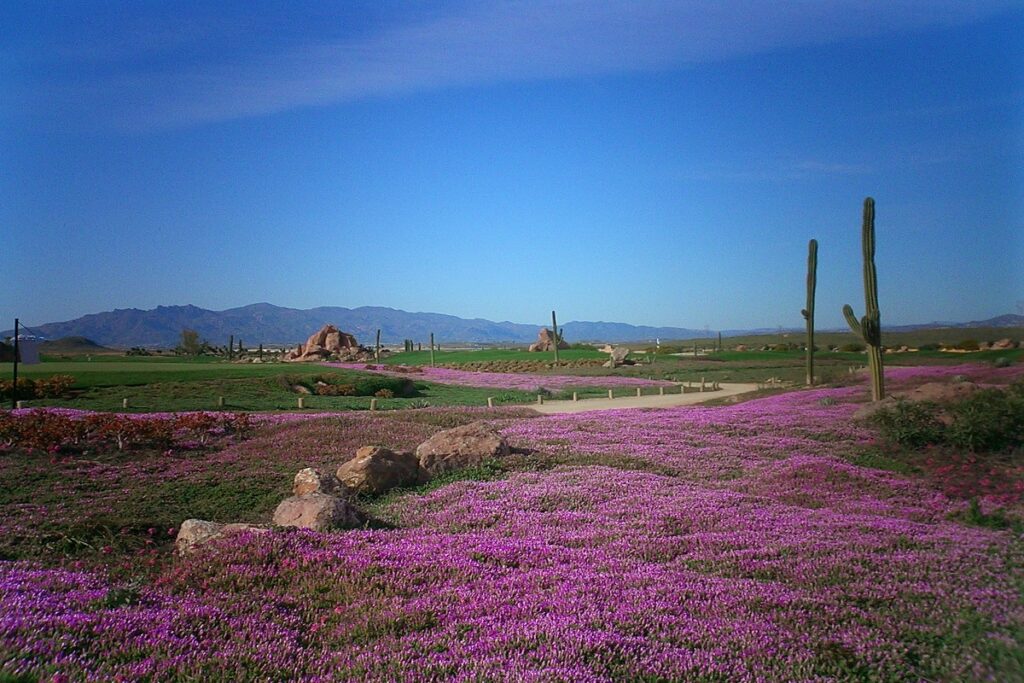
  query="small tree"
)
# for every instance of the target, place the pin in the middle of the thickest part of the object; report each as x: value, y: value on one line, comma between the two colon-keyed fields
x: 190, y: 344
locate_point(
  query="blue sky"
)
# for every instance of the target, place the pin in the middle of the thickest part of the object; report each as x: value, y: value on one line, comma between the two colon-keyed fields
x: 644, y: 162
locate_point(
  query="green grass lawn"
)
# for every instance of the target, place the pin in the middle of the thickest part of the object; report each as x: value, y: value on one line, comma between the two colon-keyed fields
x: 157, y: 384
x: 178, y: 384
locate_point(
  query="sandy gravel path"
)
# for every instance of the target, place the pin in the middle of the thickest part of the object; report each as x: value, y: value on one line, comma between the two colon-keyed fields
x: 666, y: 401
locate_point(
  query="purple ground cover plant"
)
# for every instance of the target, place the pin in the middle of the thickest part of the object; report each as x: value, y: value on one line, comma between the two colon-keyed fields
x: 749, y: 549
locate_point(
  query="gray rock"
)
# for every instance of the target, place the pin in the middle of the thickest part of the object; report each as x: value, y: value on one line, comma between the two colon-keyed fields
x: 194, y: 532
x: 318, y: 511
x: 311, y: 480
x: 375, y: 470
x: 465, y: 446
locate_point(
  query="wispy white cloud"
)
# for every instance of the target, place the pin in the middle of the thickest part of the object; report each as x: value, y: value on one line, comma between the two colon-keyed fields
x: 490, y: 42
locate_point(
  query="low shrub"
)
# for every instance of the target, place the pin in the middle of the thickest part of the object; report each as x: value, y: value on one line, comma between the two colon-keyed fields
x: 988, y: 420
x: 384, y: 393
x: 398, y: 386
x: 47, y: 387
x: 968, y: 345
x: 26, y: 389
x: 929, y: 347
x: 910, y: 424
x: 49, y: 431
x: 54, y: 386
x: 852, y: 348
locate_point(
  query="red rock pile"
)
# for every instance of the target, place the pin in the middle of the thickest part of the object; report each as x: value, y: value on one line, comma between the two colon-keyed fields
x: 328, y: 342
x: 546, y: 341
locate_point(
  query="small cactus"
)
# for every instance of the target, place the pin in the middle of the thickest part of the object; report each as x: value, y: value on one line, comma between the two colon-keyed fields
x: 869, y: 327
x: 808, y: 313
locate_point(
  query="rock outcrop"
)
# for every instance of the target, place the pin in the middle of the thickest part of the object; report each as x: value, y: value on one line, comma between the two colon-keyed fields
x: 546, y: 341
x: 319, y: 512
x: 328, y: 342
x: 618, y: 357
x: 375, y: 470
x: 466, y: 446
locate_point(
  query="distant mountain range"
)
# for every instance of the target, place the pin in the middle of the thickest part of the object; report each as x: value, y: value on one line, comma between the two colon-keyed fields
x: 275, y: 325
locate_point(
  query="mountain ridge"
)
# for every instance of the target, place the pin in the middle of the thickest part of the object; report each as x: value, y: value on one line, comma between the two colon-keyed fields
x: 265, y: 323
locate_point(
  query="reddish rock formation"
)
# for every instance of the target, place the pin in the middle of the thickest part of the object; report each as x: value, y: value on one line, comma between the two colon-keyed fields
x: 546, y: 341
x: 326, y: 343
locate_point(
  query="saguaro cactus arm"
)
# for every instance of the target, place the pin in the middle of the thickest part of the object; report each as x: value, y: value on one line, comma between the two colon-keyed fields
x: 869, y: 327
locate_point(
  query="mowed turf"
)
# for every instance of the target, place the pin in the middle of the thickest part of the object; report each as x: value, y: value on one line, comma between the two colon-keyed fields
x: 172, y: 384
x: 178, y: 384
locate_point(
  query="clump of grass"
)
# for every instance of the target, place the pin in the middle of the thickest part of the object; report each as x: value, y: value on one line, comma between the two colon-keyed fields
x: 996, y: 519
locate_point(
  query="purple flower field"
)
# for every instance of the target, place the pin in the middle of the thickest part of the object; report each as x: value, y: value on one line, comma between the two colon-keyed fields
x: 735, y: 543
x: 509, y: 380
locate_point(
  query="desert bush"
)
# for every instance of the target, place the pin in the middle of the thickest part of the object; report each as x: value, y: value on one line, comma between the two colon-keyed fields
x: 398, y: 386
x: 988, y: 420
x: 384, y: 393
x: 26, y: 389
x: 852, y: 348
x: 1003, y: 362
x: 45, y: 430
x: 929, y: 347
x: 54, y: 386
x: 968, y: 345
x: 909, y: 423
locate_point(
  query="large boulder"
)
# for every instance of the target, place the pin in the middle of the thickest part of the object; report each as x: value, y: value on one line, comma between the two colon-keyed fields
x: 1003, y: 344
x: 546, y: 341
x: 465, y: 446
x: 376, y: 470
x: 310, y: 480
x: 618, y: 357
x: 195, y: 532
x: 325, y: 343
x: 319, y: 512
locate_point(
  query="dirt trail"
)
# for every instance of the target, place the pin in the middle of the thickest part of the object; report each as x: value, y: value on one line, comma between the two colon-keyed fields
x: 666, y: 401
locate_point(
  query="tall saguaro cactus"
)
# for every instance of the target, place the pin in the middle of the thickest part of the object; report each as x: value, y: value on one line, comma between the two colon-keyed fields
x: 869, y: 328
x: 554, y: 331
x: 808, y: 313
